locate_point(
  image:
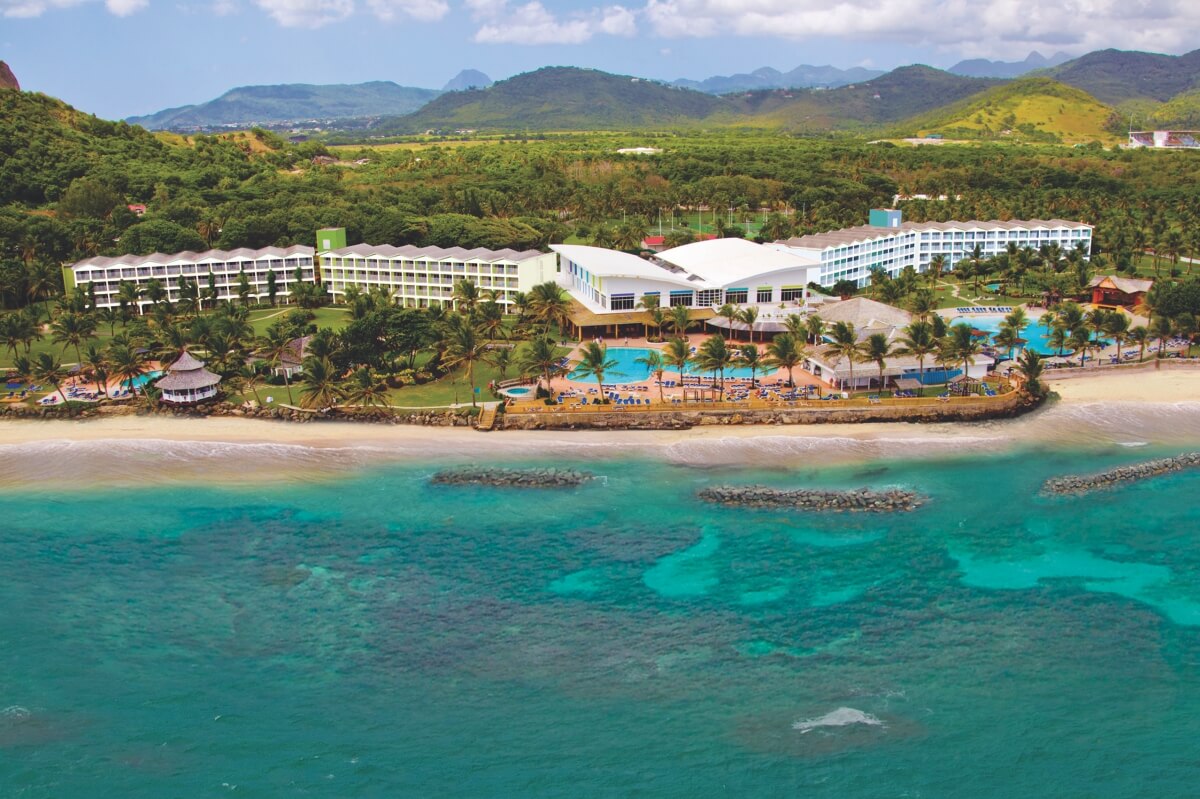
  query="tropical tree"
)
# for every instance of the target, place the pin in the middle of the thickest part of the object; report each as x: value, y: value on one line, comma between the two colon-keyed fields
x: 466, y: 296
x: 876, y: 348
x: 749, y: 317
x: 126, y: 363
x: 274, y: 346
x: 655, y: 365
x: 594, y: 362
x: 680, y: 320
x: 71, y: 330
x: 730, y: 313
x: 367, y: 389
x: 96, y: 360
x: 963, y: 346
x: 250, y: 378
x: 785, y: 352
x: 1139, y: 335
x: 501, y: 358
x: 937, y: 265
x: 1081, y: 341
x: 715, y: 356
x: 464, y: 347
x: 1161, y: 329
x: 539, y: 356
x: 1117, y: 326
x: 923, y: 302
x: 46, y: 370
x: 920, y: 342
x: 677, y: 353
x: 549, y: 304
x: 1030, y: 364
x: 489, y: 318
x: 845, y: 345
x: 319, y: 387
x: 752, y: 359
x: 816, y: 328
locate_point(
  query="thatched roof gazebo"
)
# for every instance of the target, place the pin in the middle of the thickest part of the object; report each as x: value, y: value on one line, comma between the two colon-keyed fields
x: 188, y: 382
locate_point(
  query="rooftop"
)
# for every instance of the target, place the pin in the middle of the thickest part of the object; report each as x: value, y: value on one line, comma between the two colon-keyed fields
x: 721, y: 262
x: 1127, y: 285
x: 413, y: 252
x: 158, y: 258
x: 614, y: 263
x: 865, y: 233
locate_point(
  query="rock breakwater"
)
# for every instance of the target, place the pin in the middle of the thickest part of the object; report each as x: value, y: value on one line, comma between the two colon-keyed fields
x: 860, y: 500
x: 1085, y: 484
x: 513, y: 478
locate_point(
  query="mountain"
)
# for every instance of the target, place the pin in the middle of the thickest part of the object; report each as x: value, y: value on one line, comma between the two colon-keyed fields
x: 7, y: 79
x: 802, y: 77
x: 561, y: 98
x: 898, y: 95
x: 982, y: 68
x: 1181, y: 111
x: 254, y: 105
x: 468, y: 79
x: 1031, y: 109
x: 1117, y: 76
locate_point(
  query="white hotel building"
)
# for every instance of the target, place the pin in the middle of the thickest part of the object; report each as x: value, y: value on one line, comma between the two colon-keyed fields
x: 226, y: 267
x: 892, y: 244
x: 420, y: 276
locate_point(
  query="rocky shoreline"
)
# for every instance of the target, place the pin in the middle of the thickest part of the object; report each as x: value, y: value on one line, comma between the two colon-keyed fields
x: 1085, y: 484
x: 513, y: 478
x: 861, y: 500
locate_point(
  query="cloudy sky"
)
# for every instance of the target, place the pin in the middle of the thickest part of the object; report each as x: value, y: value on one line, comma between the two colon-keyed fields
x: 122, y: 57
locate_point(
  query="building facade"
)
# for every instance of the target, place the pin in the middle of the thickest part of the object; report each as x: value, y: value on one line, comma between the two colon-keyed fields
x: 104, y: 276
x: 421, y: 276
x: 891, y: 244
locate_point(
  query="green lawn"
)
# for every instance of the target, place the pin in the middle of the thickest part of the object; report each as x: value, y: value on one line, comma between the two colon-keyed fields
x: 334, y: 317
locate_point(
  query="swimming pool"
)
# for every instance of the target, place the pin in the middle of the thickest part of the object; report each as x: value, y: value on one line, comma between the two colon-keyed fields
x: 628, y: 370
x: 518, y: 392
x: 1034, y: 333
x: 141, y: 380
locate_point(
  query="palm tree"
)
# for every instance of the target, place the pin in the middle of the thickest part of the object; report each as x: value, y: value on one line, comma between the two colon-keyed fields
x: 1030, y: 364
x: 97, y: 361
x: 539, y: 356
x: 501, y: 358
x: 1161, y: 329
x: 367, y: 389
x: 752, y: 359
x: 71, y: 330
x: 127, y: 364
x: 466, y: 296
x: 659, y: 317
x: 680, y: 320
x: 784, y: 352
x: 730, y: 313
x: 274, y: 346
x: 1080, y: 341
x: 677, y: 354
x: 490, y: 319
x: 1139, y: 335
x: 923, y: 303
x: 816, y: 329
x: 1117, y: 326
x: 1006, y: 338
x: 464, y: 347
x: 937, y: 265
x: 749, y: 317
x: 963, y: 346
x: 876, y: 348
x: 46, y: 369
x: 549, y: 304
x: 650, y: 303
x: 920, y: 342
x: 128, y: 294
x: 845, y: 345
x: 714, y: 356
x: 250, y: 379
x: 319, y: 389
x: 655, y: 365
x: 594, y: 362
x: 154, y: 291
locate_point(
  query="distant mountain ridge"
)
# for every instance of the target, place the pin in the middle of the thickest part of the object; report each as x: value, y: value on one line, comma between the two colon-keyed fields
x: 252, y: 105
x: 1116, y: 76
x: 802, y: 77
x: 468, y: 79
x: 982, y: 68
x: 7, y: 79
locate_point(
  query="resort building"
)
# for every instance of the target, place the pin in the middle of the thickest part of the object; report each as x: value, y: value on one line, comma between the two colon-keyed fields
x: 418, y: 277
x: 104, y: 276
x: 1116, y: 291
x: 891, y: 244
x: 610, y: 287
x: 870, y: 317
x: 188, y: 382
x: 1165, y: 139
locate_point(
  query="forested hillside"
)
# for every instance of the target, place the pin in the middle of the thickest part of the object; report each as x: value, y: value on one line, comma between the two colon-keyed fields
x: 1117, y: 76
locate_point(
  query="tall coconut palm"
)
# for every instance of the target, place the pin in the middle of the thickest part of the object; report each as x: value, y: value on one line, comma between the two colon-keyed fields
x: 963, y: 345
x: 658, y: 317
x: 796, y: 325
x: 71, y: 330
x: 920, y: 342
x: 730, y: 313
x: 1117, y: 326
x: 680, y: 320
x: 501, y: 358
x: 937, y: 265
x: 1161, y: 329
x: 594, y: 362
x: 655, y: 365
x: 1080, y: 341
x: 752, y: 359
x: 785, y: 352
x: 96, y: 361
x: 715, y: 356
x: 128, y: 294
x: 274, y: 346
x: 367, y: 390
x: 676, y: 353
x: 48, y: 370
x: 923, y: 302
x: 126, y: 363
x: 650, y: 303
x: 466, y: 296
x: 539, y: 356
x: 1030, y: 364
x: 845, y: 345
x: 490, y: 319
x: 1139, y: 335
x: 549, y: 304
x: 876, y: 348
x: 250, y: 378
x: 465, y: 348
x: 319, y: 388
x: 749, y: 317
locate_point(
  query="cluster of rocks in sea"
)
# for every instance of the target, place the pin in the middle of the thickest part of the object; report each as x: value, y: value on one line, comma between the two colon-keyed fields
x: 512, y: 478
x: 859, y: 500
x: 1083, y: 484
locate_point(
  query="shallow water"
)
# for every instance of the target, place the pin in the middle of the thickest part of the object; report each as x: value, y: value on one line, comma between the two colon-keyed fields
x: 370, y: 634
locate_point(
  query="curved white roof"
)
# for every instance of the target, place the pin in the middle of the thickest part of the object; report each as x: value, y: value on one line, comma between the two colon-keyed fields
x: 614, y: 263
x: 726, y: 262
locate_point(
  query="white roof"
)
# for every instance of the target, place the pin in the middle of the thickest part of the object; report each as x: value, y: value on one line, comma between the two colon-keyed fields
x: 603, y: 262
x: 725, y: 262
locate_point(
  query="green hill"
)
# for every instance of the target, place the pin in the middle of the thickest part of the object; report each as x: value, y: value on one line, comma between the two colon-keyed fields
x: 256, y: 105
x: 561, y: 98
x: 898, y: 95
x: 1030, y: 109
x: 1181, y: 111
x: 1117, y: 76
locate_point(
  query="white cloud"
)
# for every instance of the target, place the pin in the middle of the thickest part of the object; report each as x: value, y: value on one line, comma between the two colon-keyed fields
x: 532, y: 23
x: 306, y: 13
x: 24, y: 9
x: 423, y: 10
x: 123, y: 8
x: 993, y: 28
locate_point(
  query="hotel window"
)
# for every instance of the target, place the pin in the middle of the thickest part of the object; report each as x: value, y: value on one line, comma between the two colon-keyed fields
x: 621, y: 302
x: 709, y: 297
x: 765, y: 294
x: 683, y: 298
x: 736, y: 296
x: 790, y: 293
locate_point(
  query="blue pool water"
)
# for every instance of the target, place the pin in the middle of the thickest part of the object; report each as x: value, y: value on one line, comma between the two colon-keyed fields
x: 519, y: 391
x: 1033, y: 333
x: 142, y: 380
x: 628, y: 370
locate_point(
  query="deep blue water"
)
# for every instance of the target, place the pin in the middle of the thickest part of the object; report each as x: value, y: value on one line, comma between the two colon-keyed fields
x: 627, y: 370
x: 373, y: 635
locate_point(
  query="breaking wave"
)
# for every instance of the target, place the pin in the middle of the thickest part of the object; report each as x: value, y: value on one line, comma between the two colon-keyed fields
x: 842, y: 717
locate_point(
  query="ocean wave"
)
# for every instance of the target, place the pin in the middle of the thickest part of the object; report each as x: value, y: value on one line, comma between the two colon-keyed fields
x: 842, y: 717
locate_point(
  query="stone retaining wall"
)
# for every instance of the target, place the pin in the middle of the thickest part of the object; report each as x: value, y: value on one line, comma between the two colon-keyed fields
x: 1086, y: 484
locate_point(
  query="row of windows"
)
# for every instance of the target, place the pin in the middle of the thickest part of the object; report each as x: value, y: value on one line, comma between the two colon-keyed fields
x: 440, y: 266
x: 704, y: 298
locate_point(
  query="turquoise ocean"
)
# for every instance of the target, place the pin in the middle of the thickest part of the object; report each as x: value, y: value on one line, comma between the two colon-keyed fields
x: 356, y: 631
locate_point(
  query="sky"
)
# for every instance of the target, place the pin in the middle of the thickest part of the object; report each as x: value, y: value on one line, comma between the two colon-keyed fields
x: 118, y: 58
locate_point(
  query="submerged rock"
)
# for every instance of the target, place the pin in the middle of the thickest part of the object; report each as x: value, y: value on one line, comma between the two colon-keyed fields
x: 812, y: 499
x: 514, y: 478
x: 1084, y: 484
